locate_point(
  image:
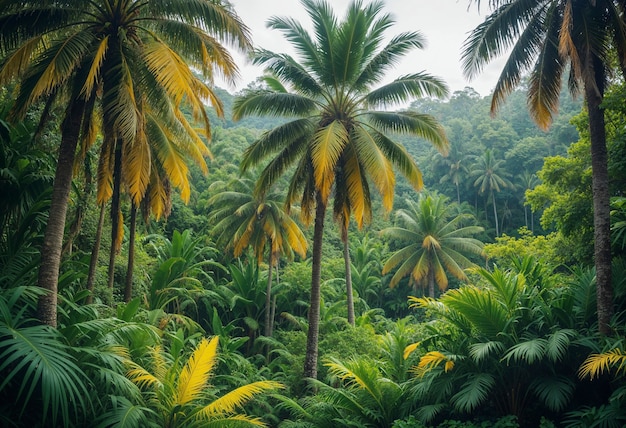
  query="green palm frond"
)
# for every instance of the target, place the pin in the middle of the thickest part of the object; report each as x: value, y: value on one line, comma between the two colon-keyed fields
x: 271, y: 103
x: 483, y: 310
x: 482, y: 350
x: 554, y: 391
x: 474, y: 392
x: 529, y: 351
x: 40, y: 366
x: 407, y: 87
x: 122, y: 413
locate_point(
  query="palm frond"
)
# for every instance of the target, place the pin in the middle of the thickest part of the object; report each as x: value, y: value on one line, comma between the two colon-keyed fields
x: 227, y: 403
x: 596, y: 364
x: 196, y: 372
x: 35, y: 359
x: 474, y: 392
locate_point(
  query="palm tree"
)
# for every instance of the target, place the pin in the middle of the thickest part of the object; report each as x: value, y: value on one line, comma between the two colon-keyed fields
x: 336, y: 138
x: 553, y: 36
x: 490, y: 179
x: 120, y: 60
x: 246, y: 219
x: 435, y: 243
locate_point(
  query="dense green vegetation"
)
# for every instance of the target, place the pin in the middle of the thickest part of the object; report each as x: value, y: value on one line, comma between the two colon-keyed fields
x: 460, y: 293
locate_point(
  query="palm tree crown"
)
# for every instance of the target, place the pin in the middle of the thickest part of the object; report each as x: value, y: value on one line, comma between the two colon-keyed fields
x: 436, y: 242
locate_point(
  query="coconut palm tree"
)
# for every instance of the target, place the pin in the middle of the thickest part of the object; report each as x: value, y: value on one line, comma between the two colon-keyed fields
x: 246, y: 219
x: 548, y: 38
x: 491, y: 179
x: 117, y: 60
x: 435, y: 243
x: 337, y: 136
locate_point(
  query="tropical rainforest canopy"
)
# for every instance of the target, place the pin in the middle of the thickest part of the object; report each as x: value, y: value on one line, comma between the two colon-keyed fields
x: 319, y: 249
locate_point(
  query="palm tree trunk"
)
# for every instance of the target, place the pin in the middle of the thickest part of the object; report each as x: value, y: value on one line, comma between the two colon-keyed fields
x: 115, y: 212
x: 273, y: 316
x: 346, y: 261
x: 601, y: 202
x: 495, y: 213
x: 48, y: 278
x: 93, y: 263
x: 431, y: 283
x: 128, y: 288
x: 268, y: 294
x: 310, y: 359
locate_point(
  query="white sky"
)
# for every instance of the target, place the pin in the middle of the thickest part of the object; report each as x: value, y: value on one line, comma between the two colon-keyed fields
x: 444, y: 23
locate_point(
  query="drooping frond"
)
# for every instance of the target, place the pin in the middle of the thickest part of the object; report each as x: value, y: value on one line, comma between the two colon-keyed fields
x: 328, y: 143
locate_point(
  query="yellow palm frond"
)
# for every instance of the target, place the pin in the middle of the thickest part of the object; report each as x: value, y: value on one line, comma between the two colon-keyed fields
x: 228, y: 403
x: 158, y: 194
x: 410, y: 349
x: 15, y: 64
x: 177, y: 170
x: 94, y: 71
x: 428, y: 362
x: 137, y: 167
x: 143, y: 378
x: 105, y: 173
x: 596, y: 364
x: 328, y: 145
x: 567, y: 47
x: 170, y: 70
x: 120, y: 232
x: 196, y: 373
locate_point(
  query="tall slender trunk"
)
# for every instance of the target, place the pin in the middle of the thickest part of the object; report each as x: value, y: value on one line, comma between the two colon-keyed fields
x: 268, y: 294
x: 48, y: 278
x: 273, y: 316
x: 115, y: 212
x: 601, y: 198
x: 128, y: 288
x: 93, y: 262
x: 310, y: 359
x: 431, y: 283
x: 495, y: 212
x: 347, y: 264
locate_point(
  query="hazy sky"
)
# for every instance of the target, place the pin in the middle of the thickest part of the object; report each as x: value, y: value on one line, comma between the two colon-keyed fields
x: 444, y: 23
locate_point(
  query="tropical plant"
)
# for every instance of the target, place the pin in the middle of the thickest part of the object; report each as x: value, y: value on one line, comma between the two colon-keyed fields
x: 364, y: 397
x: 178, y: 392
x: 336, y: 140
x: 500, y: 345
x: 553, y: 37
x: 42, y: 381
x: 435, y: 243
x: 123, y: 61
x: 183, y: 272
x: 245, y: 219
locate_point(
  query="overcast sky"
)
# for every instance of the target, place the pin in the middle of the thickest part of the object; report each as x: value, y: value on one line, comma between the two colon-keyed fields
x: 444, y: 23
